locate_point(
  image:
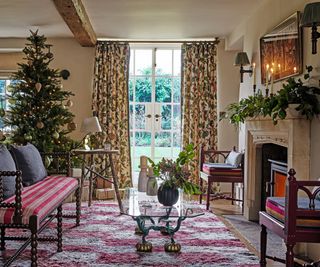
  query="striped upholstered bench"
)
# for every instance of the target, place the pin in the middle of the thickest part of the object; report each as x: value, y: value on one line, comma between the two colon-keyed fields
x: 33, y: 207
x: 294, y: 218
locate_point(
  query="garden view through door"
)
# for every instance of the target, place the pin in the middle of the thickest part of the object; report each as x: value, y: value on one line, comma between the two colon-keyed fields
x: 154, y: 98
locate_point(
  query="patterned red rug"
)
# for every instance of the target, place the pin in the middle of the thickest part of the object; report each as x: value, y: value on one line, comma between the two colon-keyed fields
x: 106, y: 239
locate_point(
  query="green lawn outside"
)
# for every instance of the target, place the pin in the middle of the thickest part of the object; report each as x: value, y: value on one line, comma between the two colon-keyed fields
x: 160, y: 152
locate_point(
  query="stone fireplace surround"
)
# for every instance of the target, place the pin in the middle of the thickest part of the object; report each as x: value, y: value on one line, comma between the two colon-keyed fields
x: 293, y: 133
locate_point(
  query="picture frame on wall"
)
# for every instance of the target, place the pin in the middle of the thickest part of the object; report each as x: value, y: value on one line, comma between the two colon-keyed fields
x: 281, y: 50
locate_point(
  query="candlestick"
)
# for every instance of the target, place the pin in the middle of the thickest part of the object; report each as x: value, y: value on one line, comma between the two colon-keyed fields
x: 267, y: 76
x: 295, y: 69
x: 254, y: 74
x: 272, y: 78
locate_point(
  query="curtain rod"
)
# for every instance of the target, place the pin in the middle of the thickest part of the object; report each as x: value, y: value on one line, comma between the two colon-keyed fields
x: 214, y: 40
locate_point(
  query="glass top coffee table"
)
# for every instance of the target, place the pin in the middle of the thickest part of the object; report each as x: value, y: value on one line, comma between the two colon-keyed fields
x: 151, y: 215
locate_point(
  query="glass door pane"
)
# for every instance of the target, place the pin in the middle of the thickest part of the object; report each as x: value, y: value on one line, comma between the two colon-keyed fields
x: 154, y: 96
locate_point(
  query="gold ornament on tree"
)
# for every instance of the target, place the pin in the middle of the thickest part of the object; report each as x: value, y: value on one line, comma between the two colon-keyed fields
x: 2, y: 136
x: 72, y: 126
x: 12, y: 101
x: 69, y: 103
x: 40, y: 125
x: 27, y: 137
x: 38, y: 86
x: 2, y: 112
x: 55, y: 135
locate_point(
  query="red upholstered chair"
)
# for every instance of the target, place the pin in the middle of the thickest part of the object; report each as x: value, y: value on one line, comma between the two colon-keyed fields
x: 215, y: 166
x: 293, y: 218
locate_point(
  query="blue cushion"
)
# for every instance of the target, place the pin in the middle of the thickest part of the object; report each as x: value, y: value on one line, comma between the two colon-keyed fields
x: 7, y: 164
x: 29, y: 161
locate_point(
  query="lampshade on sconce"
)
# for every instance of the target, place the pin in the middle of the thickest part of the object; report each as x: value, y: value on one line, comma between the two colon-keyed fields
x: 243, y: 60
x: 311, y: 18
x: 90, y: 125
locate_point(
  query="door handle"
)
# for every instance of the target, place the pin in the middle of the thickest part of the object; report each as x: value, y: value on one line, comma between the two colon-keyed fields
x: 157, y: 116
x: 148, y: 116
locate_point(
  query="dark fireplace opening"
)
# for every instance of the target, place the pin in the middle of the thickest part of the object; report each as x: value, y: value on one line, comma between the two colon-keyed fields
x: 274, y: 169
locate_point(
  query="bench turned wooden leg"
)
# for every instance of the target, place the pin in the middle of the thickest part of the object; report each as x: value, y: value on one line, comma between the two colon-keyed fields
x: 3, y: 241
x: 59, y: 228
x: 208, y: 193
x: 289, y: 255
x: 201, y: 188
x: 232, y: 193
x: 263, y: 246
x: 78, y: 206
x: 34, y: 245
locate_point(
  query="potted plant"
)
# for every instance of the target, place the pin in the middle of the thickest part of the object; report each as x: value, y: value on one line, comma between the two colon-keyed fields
x: 174, y: 174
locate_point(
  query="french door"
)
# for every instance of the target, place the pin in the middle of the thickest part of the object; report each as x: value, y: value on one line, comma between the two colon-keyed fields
x: 155, y: 103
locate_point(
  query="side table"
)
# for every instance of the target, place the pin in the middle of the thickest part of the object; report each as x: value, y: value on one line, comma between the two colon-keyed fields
x: 88, y: 165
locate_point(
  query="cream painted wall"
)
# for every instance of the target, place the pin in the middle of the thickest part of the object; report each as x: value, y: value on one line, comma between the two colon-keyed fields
x: 228, y: 85
x: 227, y: 92
x: 269, y: 14
x: 68, y: 54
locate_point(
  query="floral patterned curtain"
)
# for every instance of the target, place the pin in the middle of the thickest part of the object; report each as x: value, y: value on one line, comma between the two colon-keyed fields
x: 110, y: 104
x: 199, y: 102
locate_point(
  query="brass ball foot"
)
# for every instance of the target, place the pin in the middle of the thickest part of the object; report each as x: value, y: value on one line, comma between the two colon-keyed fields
x: 144, y: 247
x: 172, y: 247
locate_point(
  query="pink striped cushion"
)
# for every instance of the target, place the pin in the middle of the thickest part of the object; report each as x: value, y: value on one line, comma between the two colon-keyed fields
x: 221, y: 171
x: 40, y: 198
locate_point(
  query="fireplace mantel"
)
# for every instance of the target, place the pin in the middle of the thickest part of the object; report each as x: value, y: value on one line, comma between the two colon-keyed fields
x: 293, y: 133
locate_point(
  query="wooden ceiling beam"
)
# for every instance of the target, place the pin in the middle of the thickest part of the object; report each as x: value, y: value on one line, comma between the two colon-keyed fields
x: 75, y: 15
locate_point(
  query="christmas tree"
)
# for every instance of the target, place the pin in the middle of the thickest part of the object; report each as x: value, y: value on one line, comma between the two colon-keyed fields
x: 38, y: 111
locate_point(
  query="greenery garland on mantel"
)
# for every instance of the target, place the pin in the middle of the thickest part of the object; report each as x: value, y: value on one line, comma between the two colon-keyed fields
x: 306, y: 98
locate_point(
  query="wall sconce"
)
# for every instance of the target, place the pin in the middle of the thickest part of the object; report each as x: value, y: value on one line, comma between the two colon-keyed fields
x: 242, y: 60
x: 311, y: 18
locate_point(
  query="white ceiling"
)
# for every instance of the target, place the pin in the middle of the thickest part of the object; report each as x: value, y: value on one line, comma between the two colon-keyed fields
x: 130, y: 19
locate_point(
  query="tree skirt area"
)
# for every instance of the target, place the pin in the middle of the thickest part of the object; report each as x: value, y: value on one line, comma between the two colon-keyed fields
x: 105, y: 238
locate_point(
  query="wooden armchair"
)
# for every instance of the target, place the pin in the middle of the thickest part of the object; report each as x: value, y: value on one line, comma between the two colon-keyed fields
x: 293, y: 218
x: 214, y: 167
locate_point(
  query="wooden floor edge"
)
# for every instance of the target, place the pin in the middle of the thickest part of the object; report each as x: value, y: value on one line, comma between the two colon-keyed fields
x: 237, y: 233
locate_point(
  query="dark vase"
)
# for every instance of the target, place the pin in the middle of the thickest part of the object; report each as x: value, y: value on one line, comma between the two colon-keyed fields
x: 168, y: 196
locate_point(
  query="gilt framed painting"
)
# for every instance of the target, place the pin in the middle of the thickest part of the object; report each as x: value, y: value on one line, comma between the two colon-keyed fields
x: 281, y: 50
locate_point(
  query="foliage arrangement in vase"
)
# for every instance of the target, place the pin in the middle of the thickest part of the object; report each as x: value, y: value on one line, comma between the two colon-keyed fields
x: 175, y: 174
x: 305, y: 97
